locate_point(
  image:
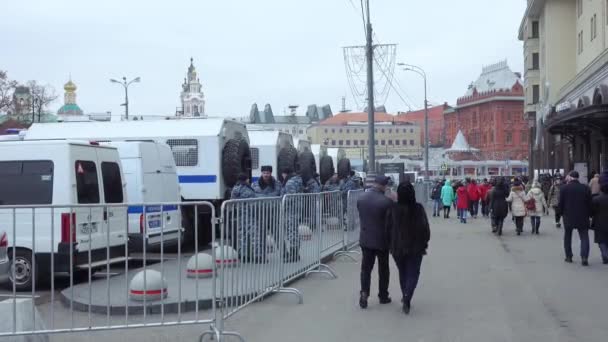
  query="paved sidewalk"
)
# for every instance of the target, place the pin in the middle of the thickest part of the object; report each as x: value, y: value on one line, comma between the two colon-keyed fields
x: 474, y: 287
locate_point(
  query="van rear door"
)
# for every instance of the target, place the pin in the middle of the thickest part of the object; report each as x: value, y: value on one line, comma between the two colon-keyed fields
x: 115, y: 217
x: 89, y: 222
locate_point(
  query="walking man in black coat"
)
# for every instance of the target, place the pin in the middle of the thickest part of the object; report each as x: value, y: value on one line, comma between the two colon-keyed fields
x: 373, y: 208
x: 575, y: 206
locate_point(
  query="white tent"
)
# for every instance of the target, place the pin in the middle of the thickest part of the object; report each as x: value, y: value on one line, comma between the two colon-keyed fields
x: 460, y: 144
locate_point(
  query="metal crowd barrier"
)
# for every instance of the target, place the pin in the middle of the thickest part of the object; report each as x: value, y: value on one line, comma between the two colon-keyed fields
x: 100, y: 276
x: 352, y: 228
x: 84, y: 258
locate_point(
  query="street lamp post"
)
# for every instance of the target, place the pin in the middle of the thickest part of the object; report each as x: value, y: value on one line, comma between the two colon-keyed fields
x: 126, y: 85
x: 420, y: 71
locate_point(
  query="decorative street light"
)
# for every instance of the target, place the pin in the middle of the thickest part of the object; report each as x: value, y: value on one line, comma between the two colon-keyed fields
x: 126, y: 85
x: 420, y: 71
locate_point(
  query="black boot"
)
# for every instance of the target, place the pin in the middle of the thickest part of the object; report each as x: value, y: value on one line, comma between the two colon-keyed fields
x: 406, y: 306
x: 363, y: 300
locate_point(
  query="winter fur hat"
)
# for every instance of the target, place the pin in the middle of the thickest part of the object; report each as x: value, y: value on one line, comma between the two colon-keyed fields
x: 266, y: 168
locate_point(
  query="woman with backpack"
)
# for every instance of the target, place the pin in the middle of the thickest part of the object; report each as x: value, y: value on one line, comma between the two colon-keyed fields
x: 518, y: 199
x: 536, y: 206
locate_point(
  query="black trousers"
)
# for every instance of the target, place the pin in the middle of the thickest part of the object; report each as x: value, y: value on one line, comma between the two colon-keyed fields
x: 367, y: 265
x: 446, y: 211
x: 409, y: 273
x: 519, y: 223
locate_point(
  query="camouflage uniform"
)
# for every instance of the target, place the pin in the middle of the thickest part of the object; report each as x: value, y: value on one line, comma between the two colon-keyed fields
x: 331, y: 186
x: 268, y: 191
x: 294, y: 185
x: 312, y: 186
x: 248, y: 234
x: 346, y: 185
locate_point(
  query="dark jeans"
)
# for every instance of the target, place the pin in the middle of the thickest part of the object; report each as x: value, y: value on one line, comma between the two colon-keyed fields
x: 519, y: 223
x: 583, y: 235
x: 462, y: 215
x: 497, y: 222
x: 446, y: 211
x: 558, y: 216
x: 604, y: 250
x: 409, y: 273
x: 437, y: 205
x: 474, y: 207
x: 367, y: 265
x: 535, y: 221
x: 485, y: 208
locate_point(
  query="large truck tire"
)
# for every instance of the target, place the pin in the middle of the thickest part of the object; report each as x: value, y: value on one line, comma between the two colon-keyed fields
x: 307, y: 165
x: 288, y: 158
x: 344, y: 168
x: 327, y: 168
x: 236, y: 158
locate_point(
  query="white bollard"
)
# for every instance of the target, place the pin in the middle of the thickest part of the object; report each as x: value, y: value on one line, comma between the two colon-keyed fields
x: 200, y: 265
x: 231, y: 257
x: 155, y: 286
x: 305, y: 232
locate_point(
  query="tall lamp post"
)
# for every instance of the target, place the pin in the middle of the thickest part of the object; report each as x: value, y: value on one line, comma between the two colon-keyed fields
x: 126, y: 85
x: 420, y: 71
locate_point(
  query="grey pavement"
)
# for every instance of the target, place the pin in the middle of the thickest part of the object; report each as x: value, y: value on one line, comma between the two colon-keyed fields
x: 474, y: 287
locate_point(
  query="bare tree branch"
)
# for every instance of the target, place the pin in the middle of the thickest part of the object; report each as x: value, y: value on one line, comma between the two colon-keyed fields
x: 6, y: 91
x: 42, y: 96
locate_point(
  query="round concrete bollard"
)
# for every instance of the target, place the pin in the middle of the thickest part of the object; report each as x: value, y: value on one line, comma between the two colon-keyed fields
x: 305, y: 232
x: 155, y: 286
x: 231, y: 257
x: 333, y: 223
x: 200, y: 265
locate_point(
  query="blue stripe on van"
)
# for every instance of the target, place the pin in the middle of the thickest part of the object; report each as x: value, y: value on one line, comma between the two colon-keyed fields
x: 254, y: 179
x: 139, y: 209
x: 198, y: 179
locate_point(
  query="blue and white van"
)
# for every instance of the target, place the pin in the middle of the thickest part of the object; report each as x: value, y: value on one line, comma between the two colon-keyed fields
x: 151, y: 177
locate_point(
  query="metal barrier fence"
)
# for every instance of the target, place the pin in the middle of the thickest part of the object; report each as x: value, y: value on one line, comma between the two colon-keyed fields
x: 119, y: 266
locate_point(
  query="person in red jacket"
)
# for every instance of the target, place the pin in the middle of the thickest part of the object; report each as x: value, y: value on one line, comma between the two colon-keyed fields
x: 484, y: 189
x: 474, y: 195
x: 463, y: 203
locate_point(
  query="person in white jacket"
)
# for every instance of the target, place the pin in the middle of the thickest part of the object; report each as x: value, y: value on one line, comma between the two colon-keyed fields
x: 518, y: 199
x: 540, y: 206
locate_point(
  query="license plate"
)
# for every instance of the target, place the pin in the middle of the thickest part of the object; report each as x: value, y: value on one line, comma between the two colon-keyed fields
x: 88, y: 229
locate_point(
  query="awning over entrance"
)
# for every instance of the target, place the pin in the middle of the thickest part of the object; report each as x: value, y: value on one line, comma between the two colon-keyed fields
x: 579, y: 121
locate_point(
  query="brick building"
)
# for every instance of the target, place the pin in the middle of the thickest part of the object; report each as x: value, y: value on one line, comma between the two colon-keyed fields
x: 436, y: 123
x: 491, y: 115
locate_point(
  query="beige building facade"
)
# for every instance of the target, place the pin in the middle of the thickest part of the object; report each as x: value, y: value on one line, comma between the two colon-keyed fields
x: 566, y: 82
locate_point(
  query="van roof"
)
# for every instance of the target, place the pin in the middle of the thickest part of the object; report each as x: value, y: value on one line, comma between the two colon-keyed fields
x: 127, y: 129
x: 59, y: 142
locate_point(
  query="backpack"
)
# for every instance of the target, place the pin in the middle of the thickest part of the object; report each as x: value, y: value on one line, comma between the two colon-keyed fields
x: 436, y: 194
x: 531, y: 204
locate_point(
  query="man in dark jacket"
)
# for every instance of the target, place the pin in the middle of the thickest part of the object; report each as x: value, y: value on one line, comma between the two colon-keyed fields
x: 575, y: 206
x: 373, y: 208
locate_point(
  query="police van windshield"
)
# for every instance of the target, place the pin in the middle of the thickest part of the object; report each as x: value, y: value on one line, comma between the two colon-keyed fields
x: 26, y: 182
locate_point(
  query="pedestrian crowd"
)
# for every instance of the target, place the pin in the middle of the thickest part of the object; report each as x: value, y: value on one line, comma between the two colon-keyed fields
x: 580, y: 207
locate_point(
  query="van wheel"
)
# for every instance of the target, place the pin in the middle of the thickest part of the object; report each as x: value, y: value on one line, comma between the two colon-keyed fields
x: 308, y: 165
x: 22, y: 268
x: 344, y: 168
x: 287, y: 158
x: 236, y: 158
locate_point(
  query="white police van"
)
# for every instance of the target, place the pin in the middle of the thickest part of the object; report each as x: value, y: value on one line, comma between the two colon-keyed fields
x: 209, y: 155
x: 151, y: 177
x: 62, y: 174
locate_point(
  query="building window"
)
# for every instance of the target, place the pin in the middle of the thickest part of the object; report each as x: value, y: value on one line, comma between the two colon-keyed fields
x: 340, y: 142
x: 412, y: 142
x: 362, y: 142
x: 404, y: 142
x: 390, y: 131
x: 347, y: 130
x: 376, y: 141
x: 509, y: 138
x: 356, y: 142
x: 397, y: 142
x: 411, y: 130
x: 301, y: 132
x: 524, y: 137
x: 390, y: 142
x: 347, y: 142
x: 535, y: 30
x: 535, y: 61
x: 535, y: 93
x: 509, y: 117
x: 340, y: 130
x: 594, y: 26
x: 383, y: 130
x: 580, y: 42
x: 383, y: 142
x: 326, y: 130
x: 354, y: 130
x: 333, y: 130
x: 333, y: 143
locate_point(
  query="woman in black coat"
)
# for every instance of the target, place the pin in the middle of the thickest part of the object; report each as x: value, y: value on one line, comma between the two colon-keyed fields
x: 409, y: 231
x: 599, y: 209
x: 498, y: 205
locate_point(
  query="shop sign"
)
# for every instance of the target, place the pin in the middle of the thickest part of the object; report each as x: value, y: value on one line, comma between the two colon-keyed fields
x: 564, y: 106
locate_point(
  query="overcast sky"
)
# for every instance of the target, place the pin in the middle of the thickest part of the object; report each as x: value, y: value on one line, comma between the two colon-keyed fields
x: 280, y: 52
